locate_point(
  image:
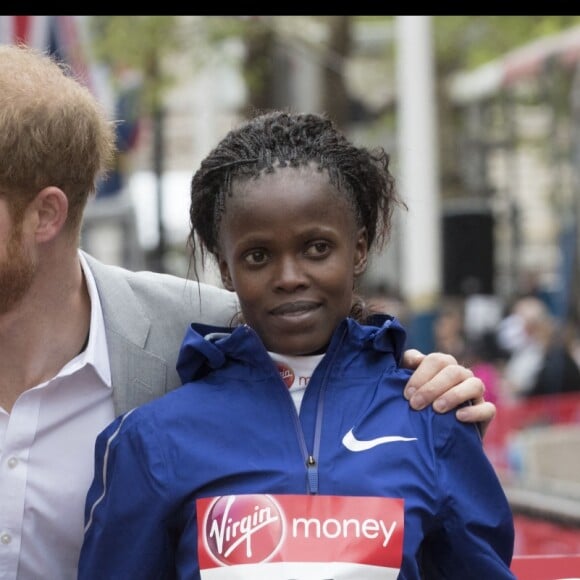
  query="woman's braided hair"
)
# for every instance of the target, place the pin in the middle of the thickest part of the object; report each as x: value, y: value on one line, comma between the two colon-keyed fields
x: 280, y: 139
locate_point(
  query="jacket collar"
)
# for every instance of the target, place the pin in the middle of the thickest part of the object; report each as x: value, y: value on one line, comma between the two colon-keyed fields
x: 208, y: 347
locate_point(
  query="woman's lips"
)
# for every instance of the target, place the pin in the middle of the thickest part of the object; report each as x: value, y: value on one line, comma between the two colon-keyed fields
x: 294, y: 308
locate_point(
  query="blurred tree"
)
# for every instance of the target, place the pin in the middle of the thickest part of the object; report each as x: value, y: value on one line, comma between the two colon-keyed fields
x: 267, y: 37
x: 259, y: 65
x: 146, y: 44
x: 139, y: 44
x: 143, y: 42
x: 466, y: 42
x: 335, y: 98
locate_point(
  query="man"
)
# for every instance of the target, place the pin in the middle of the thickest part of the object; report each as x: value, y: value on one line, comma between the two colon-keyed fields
x: 81, y: 342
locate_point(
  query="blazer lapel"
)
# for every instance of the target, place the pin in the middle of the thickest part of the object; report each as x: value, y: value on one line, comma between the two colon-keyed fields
x: 137, y: 375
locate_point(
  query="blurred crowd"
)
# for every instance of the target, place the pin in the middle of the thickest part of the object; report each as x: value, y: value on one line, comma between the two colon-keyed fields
x: 527, y: 353
x: 519, y: 351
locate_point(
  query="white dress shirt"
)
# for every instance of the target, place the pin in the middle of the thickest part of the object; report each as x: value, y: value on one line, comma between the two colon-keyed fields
x: 46, y: 461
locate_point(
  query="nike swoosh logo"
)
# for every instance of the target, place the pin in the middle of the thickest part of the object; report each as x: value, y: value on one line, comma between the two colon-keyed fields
x: 353, y: 444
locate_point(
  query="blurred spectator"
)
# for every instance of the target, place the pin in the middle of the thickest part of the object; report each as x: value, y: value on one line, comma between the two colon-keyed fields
x: 482, y: 314
x: 540, y: 360
x: 485, y: 358
x: 448, y: 330
x: 383, y: 300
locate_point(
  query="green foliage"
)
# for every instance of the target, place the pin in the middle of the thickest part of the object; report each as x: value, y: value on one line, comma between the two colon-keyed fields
x: 139, y: 43
x: 131, y: 40
x: 146, y: 43
x: 465, y: 42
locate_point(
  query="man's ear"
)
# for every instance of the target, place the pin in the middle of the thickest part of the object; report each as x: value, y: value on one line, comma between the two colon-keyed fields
x: 50, y: 207
x: 225, y: 274
x: 361, y: 252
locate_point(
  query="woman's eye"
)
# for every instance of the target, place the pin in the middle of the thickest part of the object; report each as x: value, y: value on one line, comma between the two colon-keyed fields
x: 255, y: 257
x: 318, y: 249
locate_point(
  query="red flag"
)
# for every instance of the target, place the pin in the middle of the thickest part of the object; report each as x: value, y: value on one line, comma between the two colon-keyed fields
x: 32, y: 30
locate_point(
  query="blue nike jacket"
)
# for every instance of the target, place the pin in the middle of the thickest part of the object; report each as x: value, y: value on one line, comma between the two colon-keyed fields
x: 232, y: 428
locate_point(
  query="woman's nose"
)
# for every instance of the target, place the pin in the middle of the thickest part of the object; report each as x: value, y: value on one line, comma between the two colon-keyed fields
x: 290, y: 274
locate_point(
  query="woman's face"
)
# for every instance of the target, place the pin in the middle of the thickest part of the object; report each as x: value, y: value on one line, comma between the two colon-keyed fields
x: 291, y: 249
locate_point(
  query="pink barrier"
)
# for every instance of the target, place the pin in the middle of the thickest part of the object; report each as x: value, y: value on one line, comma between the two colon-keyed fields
x: 515, y: 416
x: 536, y: 537
x: 546, y: 567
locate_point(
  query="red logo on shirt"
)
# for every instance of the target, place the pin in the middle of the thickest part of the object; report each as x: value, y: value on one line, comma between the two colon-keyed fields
x: 286, y: 374
x: 243, y: 529
x: 283, y: 536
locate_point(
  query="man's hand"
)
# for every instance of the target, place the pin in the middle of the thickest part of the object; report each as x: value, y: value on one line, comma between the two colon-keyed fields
x: 440, y: 380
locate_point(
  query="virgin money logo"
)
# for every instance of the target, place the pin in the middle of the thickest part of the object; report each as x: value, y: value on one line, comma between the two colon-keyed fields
x: 286, y: 374
x: 244, y: 529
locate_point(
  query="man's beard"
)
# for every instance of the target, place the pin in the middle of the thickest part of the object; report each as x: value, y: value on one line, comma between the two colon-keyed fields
x: 17, y: 272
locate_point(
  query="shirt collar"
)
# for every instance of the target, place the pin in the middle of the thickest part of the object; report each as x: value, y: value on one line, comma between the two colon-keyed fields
x: 95, y: 353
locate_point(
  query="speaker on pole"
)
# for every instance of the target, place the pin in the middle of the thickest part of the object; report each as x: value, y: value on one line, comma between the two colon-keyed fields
x: 468, y: 252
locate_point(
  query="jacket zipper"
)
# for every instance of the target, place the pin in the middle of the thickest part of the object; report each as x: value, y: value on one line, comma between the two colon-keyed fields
x: 311, y: 459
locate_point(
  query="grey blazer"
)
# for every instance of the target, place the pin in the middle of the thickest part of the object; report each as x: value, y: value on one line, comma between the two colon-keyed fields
x: 146, y: 316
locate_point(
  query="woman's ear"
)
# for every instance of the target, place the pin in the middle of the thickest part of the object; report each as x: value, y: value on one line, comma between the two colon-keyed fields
x: 361, y: 252
x: 225, y: 274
